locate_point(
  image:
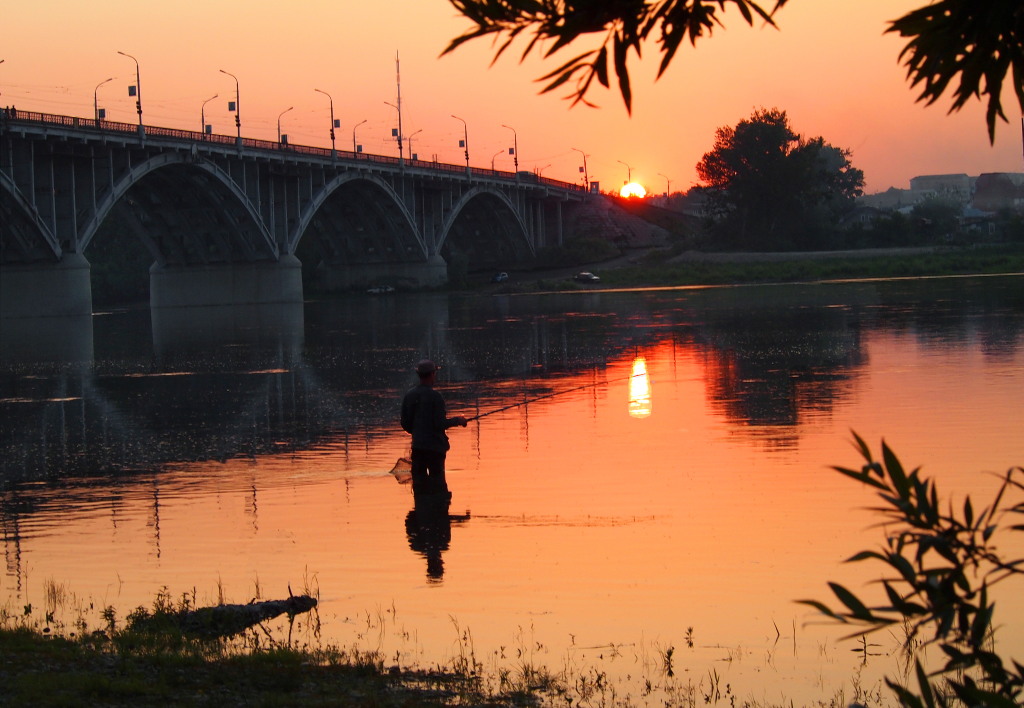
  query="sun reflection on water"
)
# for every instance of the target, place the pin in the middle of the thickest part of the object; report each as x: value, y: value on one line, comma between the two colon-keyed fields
x: 639, y: 389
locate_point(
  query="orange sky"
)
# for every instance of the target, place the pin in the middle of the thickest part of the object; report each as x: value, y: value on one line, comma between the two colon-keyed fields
x: 830, y: 68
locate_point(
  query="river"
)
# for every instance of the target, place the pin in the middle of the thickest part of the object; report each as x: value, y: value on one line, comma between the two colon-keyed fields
x: 645, y: 496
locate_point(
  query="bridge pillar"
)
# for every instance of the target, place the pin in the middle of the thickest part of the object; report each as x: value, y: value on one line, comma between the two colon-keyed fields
x: 228, y: 284
x: 47, y: 289
x: 432, y: 273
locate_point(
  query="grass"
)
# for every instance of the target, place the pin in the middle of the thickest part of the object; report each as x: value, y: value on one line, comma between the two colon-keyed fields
x: 1007, y: 259
x: 129, y: 670
x: 657, y: 269
x: 143, y: 662
x: 149, y: 661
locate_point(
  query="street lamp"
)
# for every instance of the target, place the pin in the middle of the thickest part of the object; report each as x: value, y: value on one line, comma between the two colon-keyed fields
x: 494, y: 156
x: 411, y: 155
x: 95, y: 99
x: 237, y: 108
x: 333, y: 122
x: 355, y: 148
x: 540, y: 170
x: 464, y: 143
x: 515, y: 146
x: 629, y: 172
x: 202, y: 115
x: 586, y: 175
x: 396, y: 133
x: 279, y: 125
x: 668, y: 184
x: 138, y: 92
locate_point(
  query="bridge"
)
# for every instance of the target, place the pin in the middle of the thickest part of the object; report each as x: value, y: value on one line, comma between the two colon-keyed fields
x: 235, y: 221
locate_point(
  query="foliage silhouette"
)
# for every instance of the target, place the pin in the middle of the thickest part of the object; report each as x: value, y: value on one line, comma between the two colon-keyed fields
x: 942, y: 565
x: 977, y: 41
x: 767, y: 187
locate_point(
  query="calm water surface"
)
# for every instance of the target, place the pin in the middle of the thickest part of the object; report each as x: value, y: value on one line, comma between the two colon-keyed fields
x: 664, y: 481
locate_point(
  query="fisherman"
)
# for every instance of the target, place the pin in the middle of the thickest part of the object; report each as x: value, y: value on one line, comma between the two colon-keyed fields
x: 424, y: 417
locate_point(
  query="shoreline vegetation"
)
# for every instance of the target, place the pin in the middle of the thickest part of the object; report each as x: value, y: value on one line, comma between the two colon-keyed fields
x: 153, y: 661
x: 126, y: 669
x: 661, y: 267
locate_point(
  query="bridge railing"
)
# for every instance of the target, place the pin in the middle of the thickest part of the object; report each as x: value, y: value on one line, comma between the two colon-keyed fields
x: 108, y: 126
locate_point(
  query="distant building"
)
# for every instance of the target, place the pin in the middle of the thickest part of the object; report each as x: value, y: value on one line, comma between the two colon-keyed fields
x: 989, y: 192
x: 893, y: 199
x: 863, y: 214
x: 999, y: 190
x: 957, y: 187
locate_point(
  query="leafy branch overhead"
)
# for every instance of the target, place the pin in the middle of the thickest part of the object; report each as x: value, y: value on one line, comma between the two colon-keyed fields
x: 942, y: 562
x: 622, y: 25
x: 977, y: 41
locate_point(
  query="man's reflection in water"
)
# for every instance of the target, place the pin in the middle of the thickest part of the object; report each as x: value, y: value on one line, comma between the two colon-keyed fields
x: 429, y: 528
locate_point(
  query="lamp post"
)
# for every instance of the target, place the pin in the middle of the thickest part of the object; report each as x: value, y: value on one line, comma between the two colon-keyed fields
x: 333, y: 151
x: 279, y: 125
x: 515, y: 146
x: 396, y: 133
x: 629, y: 172
x: 398, y: 87
x: 465, y: 140
x: 667, y: 185
x: 355, y: 148
x: 202, y: 115
x: 494, y: 156
x: 412, y: 156
x: 138, y: 92
x: 95, y: 99
x: 238, y: 108
x: 540, y: 170
x: 586, y: 175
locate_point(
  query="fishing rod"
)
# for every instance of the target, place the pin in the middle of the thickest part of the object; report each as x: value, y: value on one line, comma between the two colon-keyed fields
x: 552, y: 394
x: 402, y: 470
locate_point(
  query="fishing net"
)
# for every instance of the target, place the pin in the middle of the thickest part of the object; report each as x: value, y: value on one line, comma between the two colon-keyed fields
x: 402, y: 470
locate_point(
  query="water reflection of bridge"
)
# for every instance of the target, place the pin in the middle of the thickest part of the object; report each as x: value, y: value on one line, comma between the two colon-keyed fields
x: 222, y: 384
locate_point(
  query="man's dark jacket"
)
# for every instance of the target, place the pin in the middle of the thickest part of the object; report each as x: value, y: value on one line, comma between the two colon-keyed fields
x: 425, y: 418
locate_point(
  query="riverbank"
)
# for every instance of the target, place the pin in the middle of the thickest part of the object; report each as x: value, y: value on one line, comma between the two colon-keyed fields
x: 665, y: 268
x: 129, y: 669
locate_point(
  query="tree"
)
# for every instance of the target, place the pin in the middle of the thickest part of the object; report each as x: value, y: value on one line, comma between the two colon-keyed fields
x: 769, y: 188
x: 975, y: 40
x: 936, y: 219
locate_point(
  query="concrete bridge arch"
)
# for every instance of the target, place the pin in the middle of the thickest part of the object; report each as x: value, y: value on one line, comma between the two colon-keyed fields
x: 380, y: 204
x: 24, y: 233
x: 259, y: 245
x: 509, y: 234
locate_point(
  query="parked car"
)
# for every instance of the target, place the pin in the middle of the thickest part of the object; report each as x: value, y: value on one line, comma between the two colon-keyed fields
x: 586, y: 277
x: 500, y: 277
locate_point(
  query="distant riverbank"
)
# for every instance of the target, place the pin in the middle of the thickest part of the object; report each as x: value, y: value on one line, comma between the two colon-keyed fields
x: 663, y: 268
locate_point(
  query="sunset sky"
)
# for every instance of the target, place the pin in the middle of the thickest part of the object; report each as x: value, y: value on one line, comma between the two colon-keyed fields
x: 829, y: 66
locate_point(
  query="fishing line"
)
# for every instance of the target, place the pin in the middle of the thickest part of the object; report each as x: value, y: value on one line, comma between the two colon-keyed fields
x: 402, y: 471
x: 552, y: 394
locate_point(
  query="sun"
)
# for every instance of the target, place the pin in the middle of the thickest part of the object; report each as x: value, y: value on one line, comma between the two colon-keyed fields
x: 633, y: 189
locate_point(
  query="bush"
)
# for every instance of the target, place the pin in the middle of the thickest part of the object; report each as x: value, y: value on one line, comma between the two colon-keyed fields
x: 942, y: 564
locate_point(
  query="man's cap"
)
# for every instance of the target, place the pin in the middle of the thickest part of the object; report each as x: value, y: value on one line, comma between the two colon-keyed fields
x: 426, y: 366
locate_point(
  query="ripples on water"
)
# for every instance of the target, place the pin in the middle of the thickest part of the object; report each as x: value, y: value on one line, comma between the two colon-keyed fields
x: 606, y: 512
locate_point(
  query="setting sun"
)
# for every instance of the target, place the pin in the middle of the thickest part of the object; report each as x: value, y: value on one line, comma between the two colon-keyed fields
x: 633, y: 189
